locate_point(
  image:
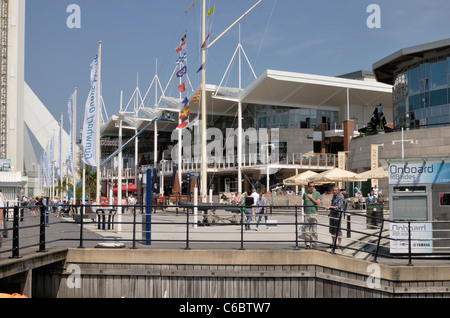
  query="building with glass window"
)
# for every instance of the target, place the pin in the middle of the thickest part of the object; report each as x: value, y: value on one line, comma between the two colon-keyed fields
x: 420, y: 76
x: 305, y: 119
x: 421, y: 79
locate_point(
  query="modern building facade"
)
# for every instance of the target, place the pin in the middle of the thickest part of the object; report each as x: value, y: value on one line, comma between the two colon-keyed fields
x: 308, y: 119
x: 420, y: 76
x: 421, y: 79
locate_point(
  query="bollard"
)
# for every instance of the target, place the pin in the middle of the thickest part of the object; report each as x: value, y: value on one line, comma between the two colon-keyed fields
x: 42, y: 225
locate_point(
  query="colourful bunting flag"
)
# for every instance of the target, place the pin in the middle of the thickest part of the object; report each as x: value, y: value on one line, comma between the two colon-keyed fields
x: 193, y: 123
x: 180, y: 47
x: 181, y: 72
x: 181, y: 59
x: 204, y: 43
x: 201, y: 68
x: 196, y: 97
x: 183, y: 125
x: 185, y: 112
x: 211, y: 11
x: 182, y: 87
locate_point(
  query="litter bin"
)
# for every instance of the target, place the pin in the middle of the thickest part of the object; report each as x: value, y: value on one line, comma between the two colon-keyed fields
x: 374, y: 215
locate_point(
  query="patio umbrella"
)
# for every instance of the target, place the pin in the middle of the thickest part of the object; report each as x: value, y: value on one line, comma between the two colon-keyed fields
x: 377, y: 173
x: 336, y: 175
x: 299, y: 179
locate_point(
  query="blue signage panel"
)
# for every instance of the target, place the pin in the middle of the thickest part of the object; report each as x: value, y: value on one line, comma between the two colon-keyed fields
x: 420, y: 172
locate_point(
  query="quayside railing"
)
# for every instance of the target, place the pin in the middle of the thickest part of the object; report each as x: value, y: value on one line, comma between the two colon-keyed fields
x: 212, y: 226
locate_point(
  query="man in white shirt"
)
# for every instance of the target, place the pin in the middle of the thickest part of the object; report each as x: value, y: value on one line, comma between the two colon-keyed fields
x: 255, y: 196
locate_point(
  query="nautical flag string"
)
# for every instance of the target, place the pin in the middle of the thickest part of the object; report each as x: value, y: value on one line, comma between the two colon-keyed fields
x: 185, y: 112
x: 181, y: 59
x: 183, y: 125
x: 196, y: 97
x: 182, y: 71
x: 201, y: 68
x: 182, y: 45
x: 204, y: 43
x: 210, y: 11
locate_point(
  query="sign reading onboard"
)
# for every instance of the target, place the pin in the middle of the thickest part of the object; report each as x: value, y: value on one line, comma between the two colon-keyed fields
x: 421, y: 237
x: 419, y: 173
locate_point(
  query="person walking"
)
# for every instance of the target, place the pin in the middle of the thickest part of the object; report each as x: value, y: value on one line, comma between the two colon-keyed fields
x: 255, y: 196
x: 311, y: 201
x: 246, y: 203
x: 262, y: 210
x: 131, y: 202
x: 336, y: 208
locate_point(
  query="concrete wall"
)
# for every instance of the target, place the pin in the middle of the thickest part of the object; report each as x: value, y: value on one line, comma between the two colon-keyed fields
x: 431, y: 142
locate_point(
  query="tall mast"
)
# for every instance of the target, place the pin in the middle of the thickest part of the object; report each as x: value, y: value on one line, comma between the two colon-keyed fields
x: 204, y: 187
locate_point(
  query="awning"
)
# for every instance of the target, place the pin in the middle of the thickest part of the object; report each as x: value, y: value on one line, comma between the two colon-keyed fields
x: 131, y: 188
x: 336, y: 175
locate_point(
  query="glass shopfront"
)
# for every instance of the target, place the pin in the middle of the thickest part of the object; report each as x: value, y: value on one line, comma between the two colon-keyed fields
x: 422, y: 95
x: 270, y: 116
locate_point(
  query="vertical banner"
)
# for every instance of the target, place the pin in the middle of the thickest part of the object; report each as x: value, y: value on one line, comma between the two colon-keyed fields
x: 70, y: 110
x: 341, y: 164
x: 374, y: 161
x: 45, y: 167
x: 50, y: 162
x: 91, y: 118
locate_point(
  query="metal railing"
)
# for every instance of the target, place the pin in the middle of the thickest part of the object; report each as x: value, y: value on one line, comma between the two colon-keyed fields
x: 218, y: 226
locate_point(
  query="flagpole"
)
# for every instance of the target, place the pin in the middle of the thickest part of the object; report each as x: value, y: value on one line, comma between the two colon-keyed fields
x: 74, y: 138
x: 204, y: 187
x: 99, y: 115
x: 120, y: 169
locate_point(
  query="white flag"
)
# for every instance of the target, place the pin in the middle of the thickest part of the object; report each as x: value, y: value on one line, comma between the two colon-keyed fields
x: 60, y: 146
x: 193, y: 123
x: 50, y: 162
x: 70, y: 107
x: 91, y: 118
x: 45, y: 167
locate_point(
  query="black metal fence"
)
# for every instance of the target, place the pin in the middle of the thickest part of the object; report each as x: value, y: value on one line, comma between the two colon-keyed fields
x: 216, y: 226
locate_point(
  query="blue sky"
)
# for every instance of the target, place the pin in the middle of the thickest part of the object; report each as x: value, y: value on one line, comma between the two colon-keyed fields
x: 324, y: 37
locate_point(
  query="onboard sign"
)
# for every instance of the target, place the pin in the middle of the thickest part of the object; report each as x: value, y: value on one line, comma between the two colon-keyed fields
x: 407, y: 173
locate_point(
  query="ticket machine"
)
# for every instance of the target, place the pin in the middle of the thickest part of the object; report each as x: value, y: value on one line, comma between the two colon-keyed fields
x: 419, y: 192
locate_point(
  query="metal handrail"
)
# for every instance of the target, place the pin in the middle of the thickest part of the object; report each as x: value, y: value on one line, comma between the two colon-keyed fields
x: 375, y: 233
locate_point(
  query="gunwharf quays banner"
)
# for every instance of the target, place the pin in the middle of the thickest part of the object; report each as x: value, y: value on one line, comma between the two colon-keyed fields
x: 90, y: 125
x: 70, y: 109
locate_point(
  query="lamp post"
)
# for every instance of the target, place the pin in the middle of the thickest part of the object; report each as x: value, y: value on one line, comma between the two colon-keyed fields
x: 119, y: 172
x: 267, y: 146
x: 403, y: 143
x: 204, y: 166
